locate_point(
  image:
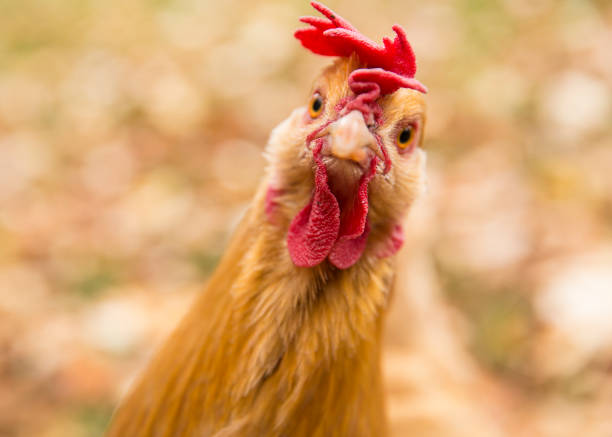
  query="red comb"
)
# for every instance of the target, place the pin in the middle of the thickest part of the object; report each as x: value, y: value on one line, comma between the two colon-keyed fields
x: 391, y: 65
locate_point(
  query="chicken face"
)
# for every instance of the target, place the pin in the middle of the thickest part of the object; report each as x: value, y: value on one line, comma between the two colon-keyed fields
x: 356, y: 143
x: 343, y: 172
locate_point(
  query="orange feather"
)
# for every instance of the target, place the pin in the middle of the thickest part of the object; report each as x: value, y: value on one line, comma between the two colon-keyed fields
x: 272, y: 349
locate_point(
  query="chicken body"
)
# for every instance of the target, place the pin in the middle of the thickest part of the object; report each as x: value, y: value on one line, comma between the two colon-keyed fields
x: 274, y: 349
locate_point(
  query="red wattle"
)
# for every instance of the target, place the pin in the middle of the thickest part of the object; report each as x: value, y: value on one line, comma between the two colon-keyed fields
x: 314, y: 230
x: 347, y: 251
x: 354, y: 227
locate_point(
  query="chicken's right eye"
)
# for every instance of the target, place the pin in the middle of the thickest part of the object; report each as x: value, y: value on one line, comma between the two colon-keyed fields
x: 316, y: 106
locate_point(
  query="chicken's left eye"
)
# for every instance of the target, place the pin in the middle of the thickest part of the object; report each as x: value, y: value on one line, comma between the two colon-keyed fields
x: 405, y: 136
x: 316, y: 106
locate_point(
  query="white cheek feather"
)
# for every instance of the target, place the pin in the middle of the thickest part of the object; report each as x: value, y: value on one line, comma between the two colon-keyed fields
x: 291, y: 124
x: 290, y: 127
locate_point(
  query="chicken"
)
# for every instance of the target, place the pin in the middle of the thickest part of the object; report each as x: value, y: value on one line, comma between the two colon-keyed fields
x: 286, y: 338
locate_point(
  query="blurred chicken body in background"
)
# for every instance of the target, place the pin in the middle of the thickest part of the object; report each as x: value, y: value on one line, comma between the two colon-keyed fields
x: 127, y: 160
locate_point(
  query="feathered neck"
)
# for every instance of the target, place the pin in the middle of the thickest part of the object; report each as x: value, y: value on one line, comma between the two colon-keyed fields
x: 269, y: 349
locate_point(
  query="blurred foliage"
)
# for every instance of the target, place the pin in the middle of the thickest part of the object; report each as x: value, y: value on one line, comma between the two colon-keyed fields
x: 93, y: 419
x: 501, y: 322
x: 95, y: 281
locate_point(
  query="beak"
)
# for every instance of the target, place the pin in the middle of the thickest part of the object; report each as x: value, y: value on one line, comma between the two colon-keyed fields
x: 351, y: 139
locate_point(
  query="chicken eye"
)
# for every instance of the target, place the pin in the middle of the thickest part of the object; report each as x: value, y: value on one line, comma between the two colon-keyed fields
x: 316, y: 106
x: 405, y: 136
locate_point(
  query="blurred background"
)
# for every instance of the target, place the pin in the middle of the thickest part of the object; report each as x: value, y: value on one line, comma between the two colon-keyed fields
x: 131, y: 135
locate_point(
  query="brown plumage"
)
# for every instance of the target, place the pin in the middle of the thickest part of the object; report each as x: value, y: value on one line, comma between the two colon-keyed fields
x: 273, y: 349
